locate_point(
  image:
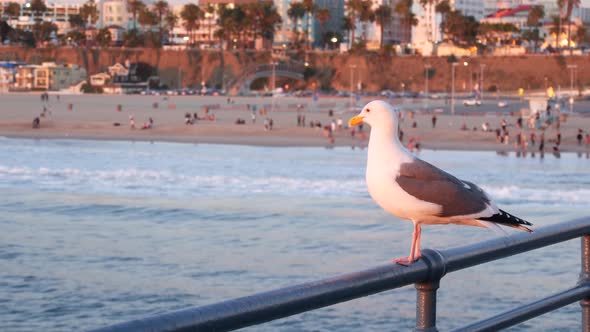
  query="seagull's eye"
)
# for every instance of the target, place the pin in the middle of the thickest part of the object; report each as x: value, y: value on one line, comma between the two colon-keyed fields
x: 368, y: 110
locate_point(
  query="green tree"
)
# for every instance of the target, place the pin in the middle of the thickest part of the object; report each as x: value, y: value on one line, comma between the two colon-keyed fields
x: 135, y: 7
x: 89, y: 12
x: 75, y: 36
x: 534, y: 18
x: 571, y: 4
x: 162, y: 8
x: 323, y: 15
x: 310, y: 9
x: 443, y: 8
x: 12, y: 9
x: 103, y: 37
x: 191, y: 15
x: 210, y: 12
x: 76, y: 21
x: 270, y: 20
x: 38, y: 7
x: 408, y: 19
x: 147, y: 18
x: 353, y: 7
x: 383, y: 18
x: 42, y: 31
x: 296, y: 12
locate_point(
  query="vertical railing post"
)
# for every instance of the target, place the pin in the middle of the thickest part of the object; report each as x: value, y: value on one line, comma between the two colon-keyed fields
x: 585, y: 278
x: 426, y: 291
x: 426, y: 306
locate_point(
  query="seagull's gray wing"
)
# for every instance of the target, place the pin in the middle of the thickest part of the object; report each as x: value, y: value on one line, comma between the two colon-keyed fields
x: 428, y: 183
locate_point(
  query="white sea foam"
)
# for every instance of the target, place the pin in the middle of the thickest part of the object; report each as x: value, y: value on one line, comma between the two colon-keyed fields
x: 140, y: 181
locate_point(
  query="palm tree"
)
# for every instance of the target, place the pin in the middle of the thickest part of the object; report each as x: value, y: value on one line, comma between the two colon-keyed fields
x: 296, y: 12
x: 404, y: 9
x: 147, y: 18
x: 382, y: 17
x: 571, y: 4
x: 210, y: 12
x: 353, y: 7
x: 366, y: 13
x: 134, y: 7
x: 323, y: 15
x: 310, y: 8
x: 89, y: 12
x: 533, y: 20
x: 171, y: 21
x: 443, y: 8
x: 270, y: 20
x: 12, y: 9
x: 191, y: 14
x: 161, y: 7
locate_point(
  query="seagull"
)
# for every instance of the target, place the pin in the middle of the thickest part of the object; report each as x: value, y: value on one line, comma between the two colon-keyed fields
x: 412, y: 189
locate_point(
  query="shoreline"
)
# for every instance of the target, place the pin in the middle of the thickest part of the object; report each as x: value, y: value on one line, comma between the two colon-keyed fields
x: 97, y: 118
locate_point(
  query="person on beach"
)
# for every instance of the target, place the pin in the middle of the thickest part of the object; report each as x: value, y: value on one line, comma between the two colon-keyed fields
x: 542, y: 142
x: 266, y: 124
x: 433, y: 121
x: 131, y: 122
x: 532, y: 138
x: 587, y: 140
x: 580, y: 136
x: 503, y: 125
x: 36, y: 123
x: 253, y: 116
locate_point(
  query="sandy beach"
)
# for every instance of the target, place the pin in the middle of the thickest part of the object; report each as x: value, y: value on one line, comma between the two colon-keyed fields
x: 108, y: 117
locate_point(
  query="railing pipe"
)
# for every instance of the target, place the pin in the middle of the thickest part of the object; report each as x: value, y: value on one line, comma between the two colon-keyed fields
x: 585, y: 279
x: 459, y: 258
x: 528, y: 311
x: 434, y: 264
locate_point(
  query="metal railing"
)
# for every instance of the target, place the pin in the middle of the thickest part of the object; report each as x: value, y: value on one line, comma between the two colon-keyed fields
x: 425, y: 274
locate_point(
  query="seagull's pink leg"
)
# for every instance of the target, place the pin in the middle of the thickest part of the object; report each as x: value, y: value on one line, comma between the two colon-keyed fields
x: 414, y: 254
x: 417, y: 244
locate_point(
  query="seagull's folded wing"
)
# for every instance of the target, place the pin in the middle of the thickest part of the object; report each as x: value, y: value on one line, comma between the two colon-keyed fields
x: 456, y: 197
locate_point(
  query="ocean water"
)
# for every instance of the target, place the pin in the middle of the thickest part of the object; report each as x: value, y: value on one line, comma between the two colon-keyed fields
x: 98, y: 232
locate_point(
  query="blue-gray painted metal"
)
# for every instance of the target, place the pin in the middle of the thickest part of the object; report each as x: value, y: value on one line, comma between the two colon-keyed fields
x: 585, y: 279
x: 531, y: 310
x: 433, y: 265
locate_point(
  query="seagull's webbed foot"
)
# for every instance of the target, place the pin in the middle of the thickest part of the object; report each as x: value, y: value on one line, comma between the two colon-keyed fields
x: 405, y: 261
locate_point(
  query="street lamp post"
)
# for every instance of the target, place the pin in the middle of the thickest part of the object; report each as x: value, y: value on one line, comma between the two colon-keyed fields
x: 481, y: 67
x: 572, y: 68
x: 352, y: 67
x: 454, y: 64
x: 274, y: 83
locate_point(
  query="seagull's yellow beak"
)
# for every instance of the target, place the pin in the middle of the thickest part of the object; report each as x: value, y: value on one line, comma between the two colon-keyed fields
x: 355, y: 120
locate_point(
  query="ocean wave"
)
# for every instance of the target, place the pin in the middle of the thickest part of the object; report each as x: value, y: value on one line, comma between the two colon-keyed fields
x: 541, y: 195
x: 140, y: 181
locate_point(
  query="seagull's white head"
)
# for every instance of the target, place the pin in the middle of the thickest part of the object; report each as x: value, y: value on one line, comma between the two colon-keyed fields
x: 375, y: 113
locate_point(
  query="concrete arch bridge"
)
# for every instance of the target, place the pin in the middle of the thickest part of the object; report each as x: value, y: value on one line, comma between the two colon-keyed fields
x: 241, y: 84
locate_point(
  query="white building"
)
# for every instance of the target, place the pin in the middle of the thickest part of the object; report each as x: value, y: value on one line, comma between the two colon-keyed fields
x: 57, y: 12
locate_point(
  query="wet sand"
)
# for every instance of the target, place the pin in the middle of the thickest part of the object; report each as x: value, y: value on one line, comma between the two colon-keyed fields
x: 95, y: 116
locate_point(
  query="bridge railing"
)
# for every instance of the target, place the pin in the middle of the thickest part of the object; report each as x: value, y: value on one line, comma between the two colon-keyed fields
x: 425, y: 274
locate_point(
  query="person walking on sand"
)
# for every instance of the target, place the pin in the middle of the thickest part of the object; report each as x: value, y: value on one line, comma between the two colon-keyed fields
x: 542, y: 142
x: 433, y: 121
x: 580, y: 136
x: 131, y: 122
x: 253, y: 116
